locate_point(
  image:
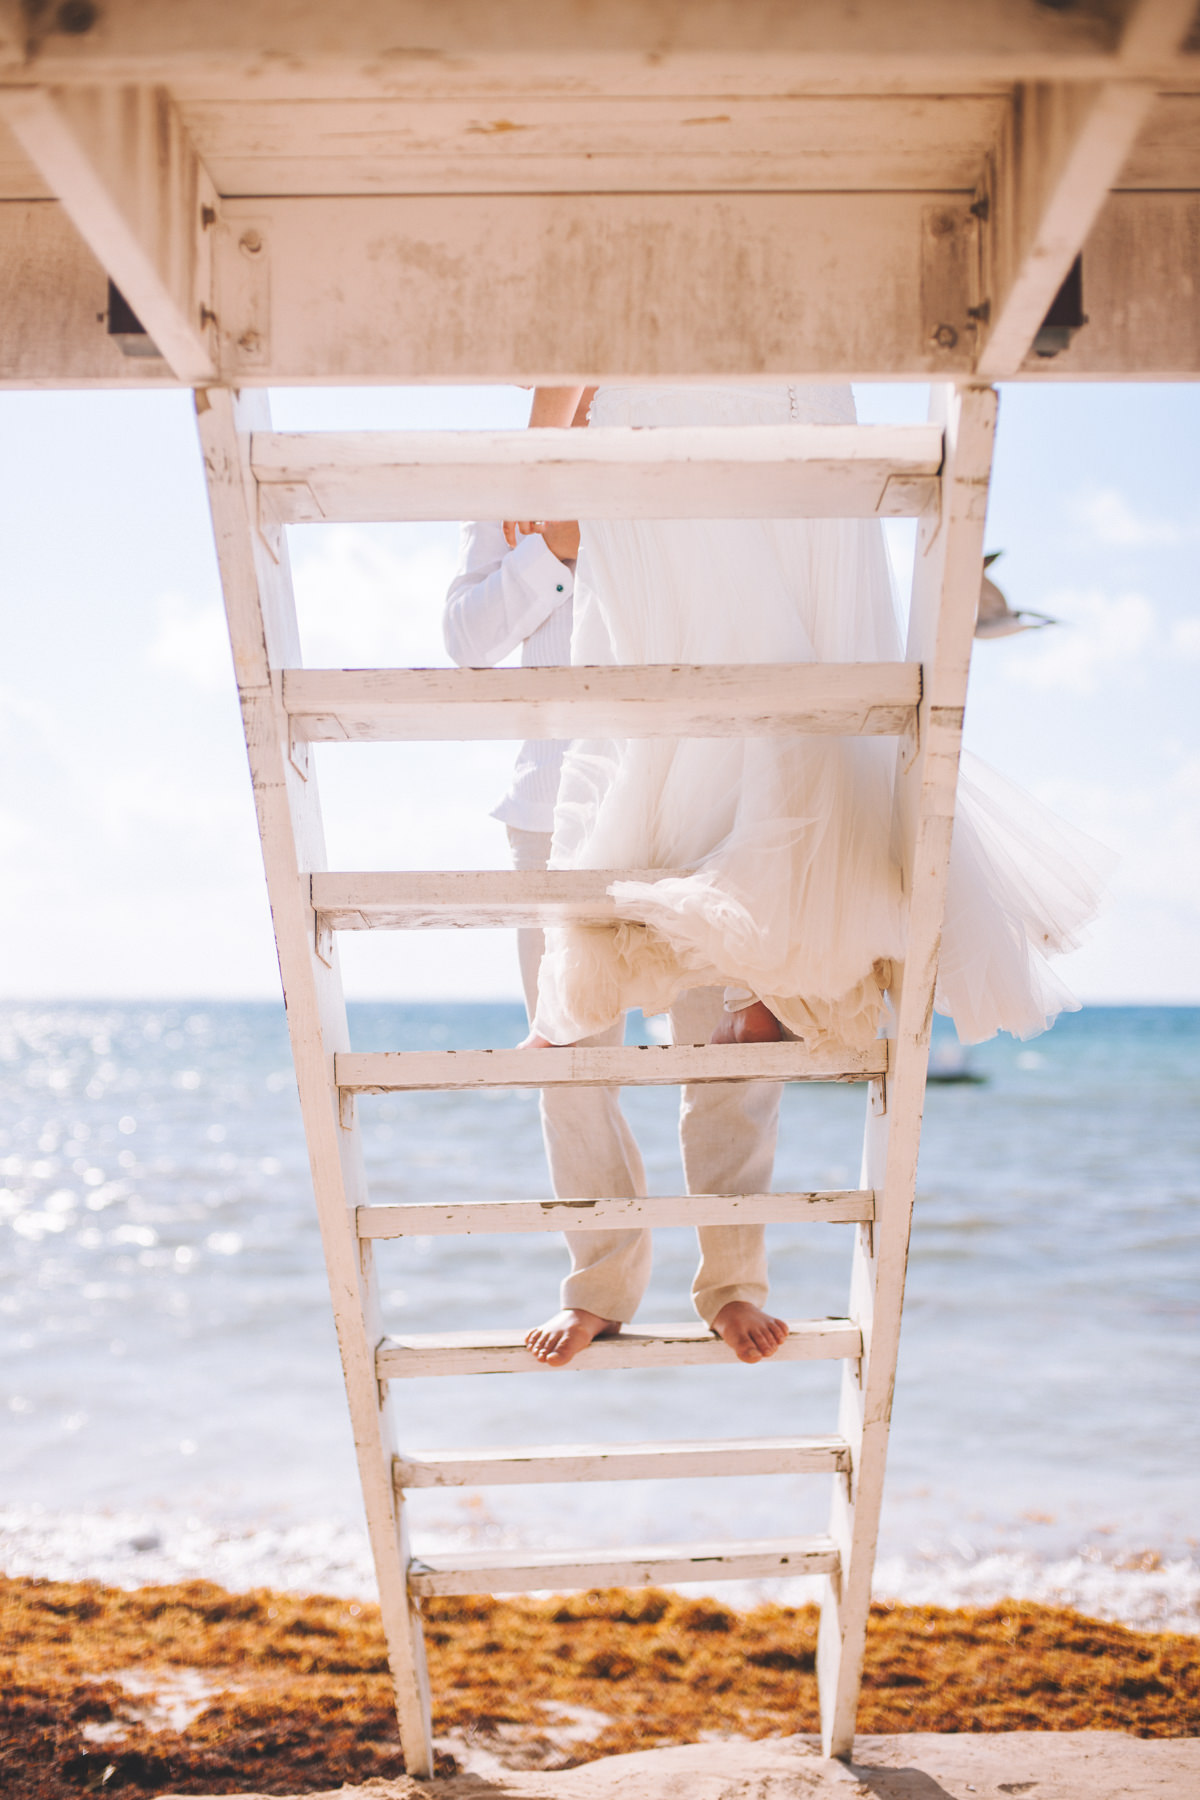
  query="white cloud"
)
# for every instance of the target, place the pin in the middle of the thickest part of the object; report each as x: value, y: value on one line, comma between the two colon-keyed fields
x: 1098, y: 634
x: 1112, y: 520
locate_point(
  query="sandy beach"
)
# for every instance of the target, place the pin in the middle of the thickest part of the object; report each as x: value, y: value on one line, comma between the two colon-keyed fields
x: 193, y: 1689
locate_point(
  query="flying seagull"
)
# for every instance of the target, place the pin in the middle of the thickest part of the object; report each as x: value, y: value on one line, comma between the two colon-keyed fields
x: 996, y: 617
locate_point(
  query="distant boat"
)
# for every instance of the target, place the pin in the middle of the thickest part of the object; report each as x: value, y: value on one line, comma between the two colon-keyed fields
x: 948, y: 1065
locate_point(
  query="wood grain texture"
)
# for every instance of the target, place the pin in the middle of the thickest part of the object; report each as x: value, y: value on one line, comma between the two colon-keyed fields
x: 636, y: 1065
x: 642, y: 700
x: 648, y: 1347
x: 612, y: 472
x: 425, y: 288
x: 539, y: 1463
x: 129, y: 179
x: 489, y: 1572
x: 262, y: 626
x: 452, y: 1218
x: 940, y: 636
x: 498, y: 142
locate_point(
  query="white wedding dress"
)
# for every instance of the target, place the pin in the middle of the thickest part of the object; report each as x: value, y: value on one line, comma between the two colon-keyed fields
x: 789, y: 891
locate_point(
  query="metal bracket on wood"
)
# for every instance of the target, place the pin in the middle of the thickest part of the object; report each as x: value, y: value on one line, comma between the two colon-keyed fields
x: 346, y: 1113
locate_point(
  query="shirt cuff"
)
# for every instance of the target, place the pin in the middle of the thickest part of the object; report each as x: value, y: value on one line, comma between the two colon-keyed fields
x: 546, y: 579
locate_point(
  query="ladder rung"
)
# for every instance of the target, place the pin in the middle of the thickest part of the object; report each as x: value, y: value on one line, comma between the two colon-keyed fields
x: 523, y: 1466
x: 489, y: 1572
x: 647, y: 1347
x: 758, y: 472
x: 637, y: 1065
x: 435, y: 899
x: 640, y: 701
x: 452, y: 1218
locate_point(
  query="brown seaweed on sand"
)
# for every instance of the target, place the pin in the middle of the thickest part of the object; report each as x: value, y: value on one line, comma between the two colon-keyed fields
x: 194, y: 1689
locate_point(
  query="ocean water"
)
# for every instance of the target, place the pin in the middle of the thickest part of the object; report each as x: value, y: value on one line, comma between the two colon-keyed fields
x: 171, y: 1399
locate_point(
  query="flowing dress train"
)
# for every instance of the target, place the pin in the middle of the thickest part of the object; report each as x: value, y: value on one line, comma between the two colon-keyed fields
x: 786, y: 886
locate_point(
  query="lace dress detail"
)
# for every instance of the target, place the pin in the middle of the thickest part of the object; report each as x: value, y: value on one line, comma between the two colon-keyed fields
x: 788, y: 886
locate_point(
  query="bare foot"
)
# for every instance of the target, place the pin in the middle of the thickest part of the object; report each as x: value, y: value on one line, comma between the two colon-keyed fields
x: 569, y: 1332
x: 750, y: 1333
x: 535, y: 1042
x: 754, y: 1024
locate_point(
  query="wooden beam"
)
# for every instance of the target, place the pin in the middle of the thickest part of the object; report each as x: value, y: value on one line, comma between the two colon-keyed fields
x: 1141, y: 278
x: 758, y: 472
x: 403, y: 46
x: 53, y: 308
x: 1061, y: 150
x: 491, y: 1572
x: 452, y: 1218
x: 645, y: 700
x: 429, y: 288
x: 646, y: 1347
x: 132, y: 185
x: 637, y: 1065
x: 537, y: 1463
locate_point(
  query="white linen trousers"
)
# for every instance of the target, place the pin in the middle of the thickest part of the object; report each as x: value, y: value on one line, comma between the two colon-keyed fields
x: 727, y: 1133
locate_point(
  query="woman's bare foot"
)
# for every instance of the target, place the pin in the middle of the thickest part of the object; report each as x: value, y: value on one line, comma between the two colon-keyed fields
x: 750, y: 1333
x: 567, y: 1333
x: 535, y: 1042
x: 754, y: 1024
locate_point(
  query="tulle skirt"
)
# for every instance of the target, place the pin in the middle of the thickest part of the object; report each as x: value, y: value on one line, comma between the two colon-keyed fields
x: 784, y: 884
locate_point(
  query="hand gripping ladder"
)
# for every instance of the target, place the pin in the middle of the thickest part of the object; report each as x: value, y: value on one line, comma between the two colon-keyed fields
x: 260, y: 481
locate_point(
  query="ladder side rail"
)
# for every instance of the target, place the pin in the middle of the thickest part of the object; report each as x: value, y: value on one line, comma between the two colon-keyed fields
x: 941, y: 625
x: 265, y: 636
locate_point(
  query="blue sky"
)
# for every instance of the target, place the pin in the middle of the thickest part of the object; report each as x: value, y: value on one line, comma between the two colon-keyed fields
x: 130, y: 855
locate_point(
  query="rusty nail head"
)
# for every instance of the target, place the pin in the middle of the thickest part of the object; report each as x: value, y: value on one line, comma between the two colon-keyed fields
x: 945, y: 337
x: 250, y: 342
x: 251, y: 242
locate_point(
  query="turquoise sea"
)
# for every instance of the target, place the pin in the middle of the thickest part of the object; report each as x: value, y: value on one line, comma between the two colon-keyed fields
x: 171, y: 1398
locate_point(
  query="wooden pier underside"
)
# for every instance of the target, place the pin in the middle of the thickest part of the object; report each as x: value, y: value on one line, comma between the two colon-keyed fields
x: 393, y: 191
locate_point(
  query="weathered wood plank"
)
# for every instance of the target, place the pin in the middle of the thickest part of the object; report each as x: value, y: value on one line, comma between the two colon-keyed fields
x: 426, y: 288
x: 262, y: 627
x: 1141, y: 276
x: 644, y: 1347
x: 644, y: 700
x: 615, y: 472
x: 638, y: 1065
x: 940, y: 636
x: 491, y: 1572
x: 530, y: 1464
x: 496, y: 142
x: 53, y: 307
x: 122, y: 166
x: 403, y: 46
x: 1060, y: 152
x: 454, y: 1218
x: 428, y: 899
x: 1166, y: 152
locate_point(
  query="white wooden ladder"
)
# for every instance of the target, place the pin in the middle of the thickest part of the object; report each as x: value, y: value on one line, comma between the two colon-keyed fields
x: 259, y: 481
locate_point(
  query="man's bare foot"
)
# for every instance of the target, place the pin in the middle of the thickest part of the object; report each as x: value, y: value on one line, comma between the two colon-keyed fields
x: 750, y: 1333
x: 754, y: 1024
x: 567, y: 1333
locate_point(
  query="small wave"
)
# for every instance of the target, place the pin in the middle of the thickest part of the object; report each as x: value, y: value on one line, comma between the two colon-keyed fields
x: 141, y: 1549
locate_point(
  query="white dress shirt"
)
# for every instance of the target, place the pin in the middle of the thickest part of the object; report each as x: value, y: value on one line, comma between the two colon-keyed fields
x: 500, y: 598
